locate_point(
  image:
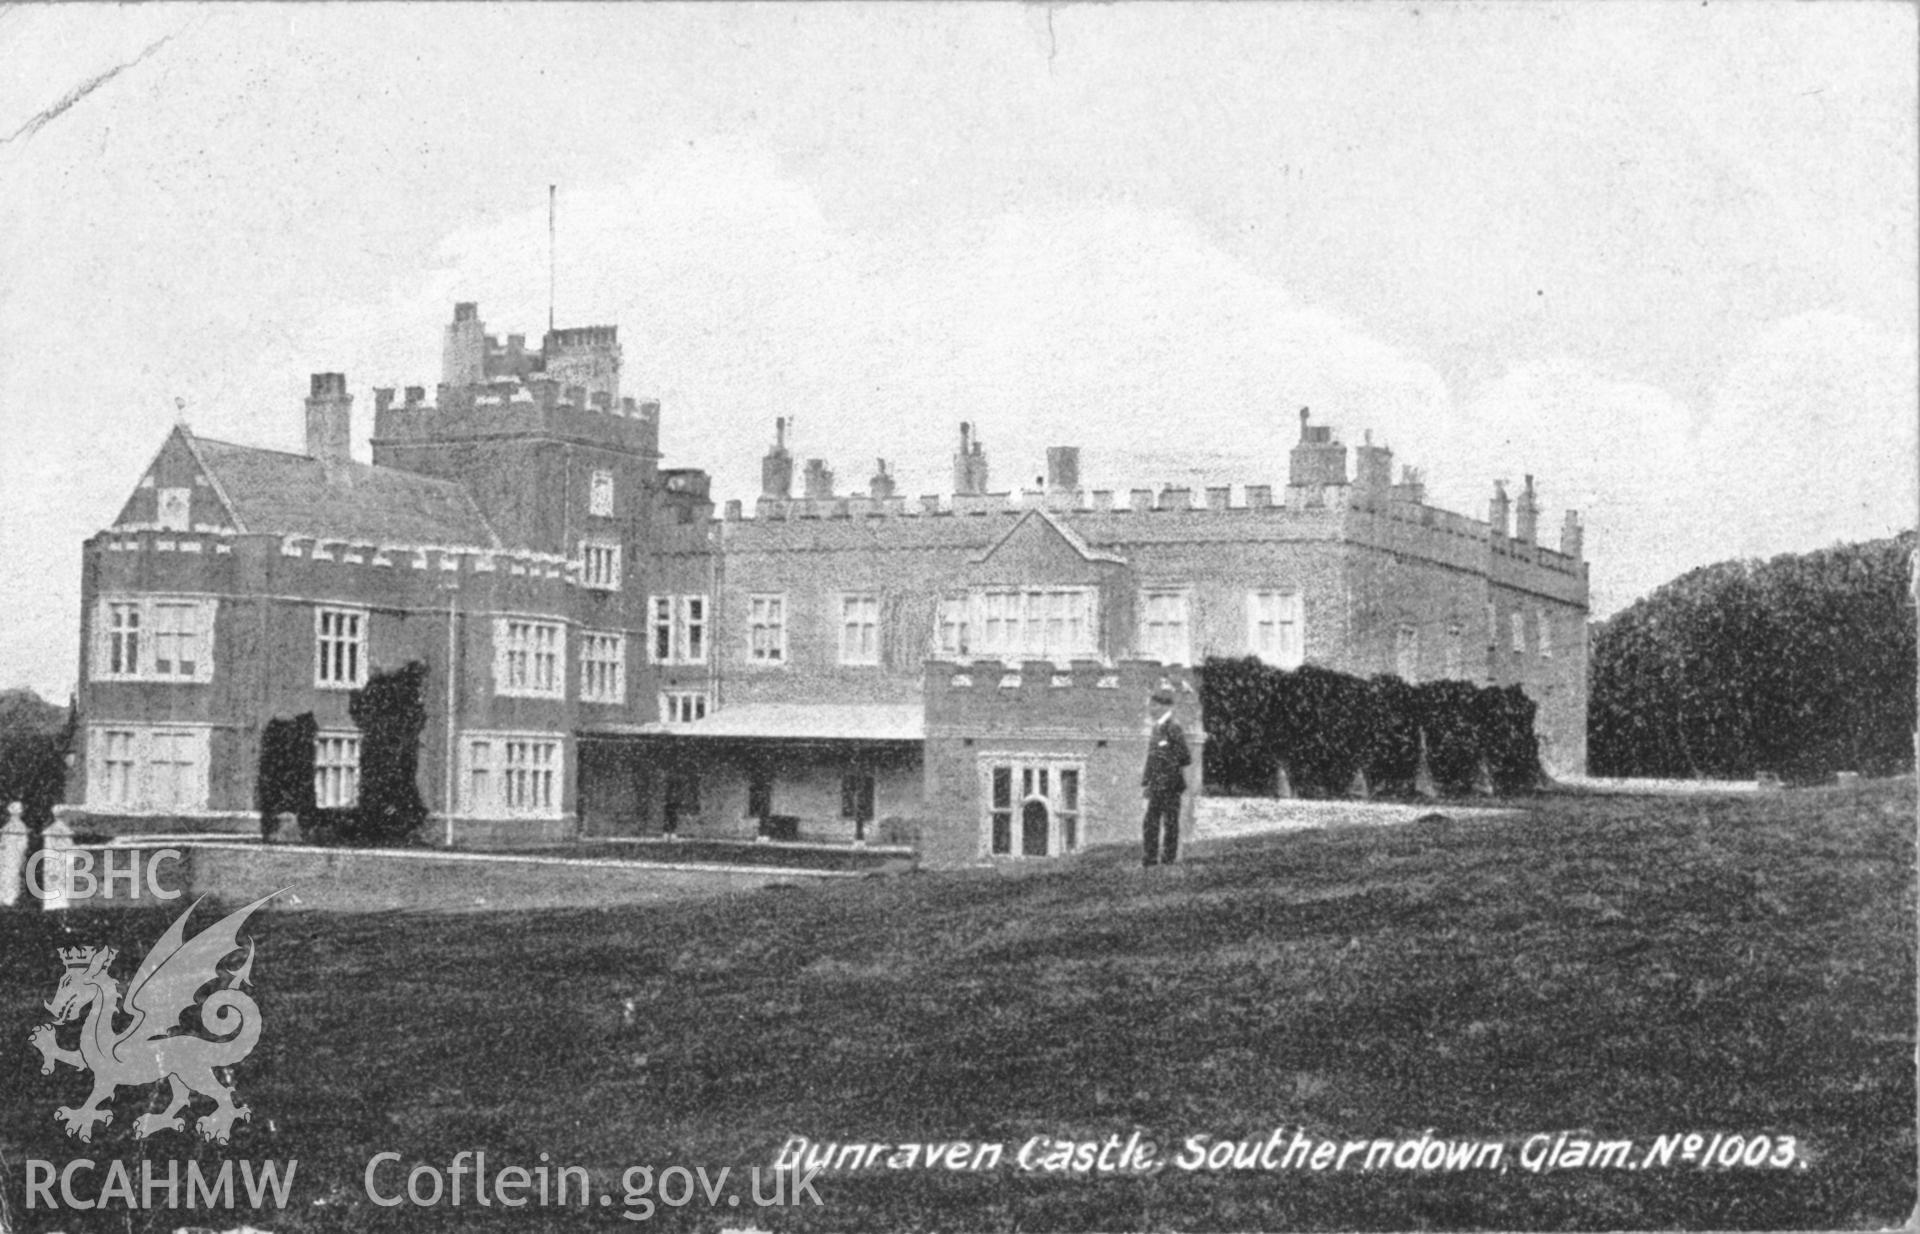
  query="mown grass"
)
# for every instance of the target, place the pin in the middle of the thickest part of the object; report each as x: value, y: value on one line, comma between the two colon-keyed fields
x: 1631, y: 967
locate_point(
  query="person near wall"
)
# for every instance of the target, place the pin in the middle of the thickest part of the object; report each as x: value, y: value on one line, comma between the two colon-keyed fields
x: 1164, y: 782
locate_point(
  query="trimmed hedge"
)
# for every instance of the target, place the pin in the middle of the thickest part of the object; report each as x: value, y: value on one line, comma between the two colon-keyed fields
x: 390, y: 712
x: 285, y: 782
x: 1802, y: 665
x: 1326, y: 728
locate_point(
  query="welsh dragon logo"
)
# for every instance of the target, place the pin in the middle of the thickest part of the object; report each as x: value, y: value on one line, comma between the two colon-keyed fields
x: 152, y: 1045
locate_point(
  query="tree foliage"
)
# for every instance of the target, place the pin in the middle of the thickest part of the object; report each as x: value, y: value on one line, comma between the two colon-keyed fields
x: 285, y: 783
x: 35, y: 737
x: 391, y: 712
x: 1803, y: 665
x: 1324, y: 728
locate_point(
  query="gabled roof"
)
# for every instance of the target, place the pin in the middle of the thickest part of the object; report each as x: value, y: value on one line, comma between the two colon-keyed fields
x: 183, y: 469
x: 271, y: 492
x: 186, y: 437
x: 1086, y: 551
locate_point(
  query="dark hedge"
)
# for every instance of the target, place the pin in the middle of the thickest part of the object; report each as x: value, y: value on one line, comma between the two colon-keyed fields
x: 285, y: 782
x: 1802, y: 665
x: 391, y: 712
x: 1326, y: 728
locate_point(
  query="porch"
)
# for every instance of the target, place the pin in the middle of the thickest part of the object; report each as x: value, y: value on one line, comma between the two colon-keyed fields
x: 820, y: 773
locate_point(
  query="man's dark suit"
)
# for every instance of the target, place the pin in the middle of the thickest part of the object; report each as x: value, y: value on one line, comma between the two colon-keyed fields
x: 1164, y: 782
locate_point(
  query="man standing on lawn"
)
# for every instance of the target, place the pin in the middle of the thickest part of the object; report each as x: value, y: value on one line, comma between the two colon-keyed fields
x: 1164, y: 782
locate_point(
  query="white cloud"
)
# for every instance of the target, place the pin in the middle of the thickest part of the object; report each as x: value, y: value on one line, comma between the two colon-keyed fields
x: 1117, y: 328
x: 1103, y: 318
x: 1616, y: 451
x: 1811, y: 437
x: 1128, y: 332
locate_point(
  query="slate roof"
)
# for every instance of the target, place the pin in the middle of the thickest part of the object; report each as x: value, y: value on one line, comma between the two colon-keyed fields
x: 275, y: 493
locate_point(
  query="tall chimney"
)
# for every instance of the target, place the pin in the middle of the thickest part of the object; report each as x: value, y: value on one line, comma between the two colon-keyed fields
x: 1063, y: 469
x: 817, y: 479
x: 1319, y: 458
x: 1571, y: 534
x: 463, y: 357
x: 329, y: 420
x: 881, y: 485
x: 970, y: 463
x: 776, y: 469
x: 1497, y: 507
x: 1526, y: 516
x: 1373, y: 465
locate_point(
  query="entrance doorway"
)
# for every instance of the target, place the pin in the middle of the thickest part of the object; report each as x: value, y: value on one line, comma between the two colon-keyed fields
x: 1035, y: 823
x: 1032, y: 807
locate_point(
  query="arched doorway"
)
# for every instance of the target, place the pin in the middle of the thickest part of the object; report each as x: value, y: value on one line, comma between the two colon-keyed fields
x: 1033, y: 806
x: 1035, y: 824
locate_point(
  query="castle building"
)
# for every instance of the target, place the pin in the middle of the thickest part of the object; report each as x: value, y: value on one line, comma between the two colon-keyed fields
x: 606, y: 656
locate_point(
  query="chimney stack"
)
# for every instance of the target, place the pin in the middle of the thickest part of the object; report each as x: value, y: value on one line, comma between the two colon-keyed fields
x: 1497, y: 507
x: 463, y: 356
x: 1527, y: 515
x: 776, y: 468
x: 1063, y: 469
x: 1572, y: 535
x: 329, y: 420
x: 1319, y: 459
x: 817, y: 480
x: 881, y: 486
x: 1373, y: 466
x: 969, y: 464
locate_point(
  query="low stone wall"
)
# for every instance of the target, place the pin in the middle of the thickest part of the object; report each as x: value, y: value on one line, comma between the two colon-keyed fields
x: 90, y: 822
x: 1218, y: 818
x: 371, y: 880
x: 464, y: 832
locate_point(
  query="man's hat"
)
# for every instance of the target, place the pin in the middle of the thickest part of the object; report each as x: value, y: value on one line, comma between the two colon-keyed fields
x: 1163, y: 698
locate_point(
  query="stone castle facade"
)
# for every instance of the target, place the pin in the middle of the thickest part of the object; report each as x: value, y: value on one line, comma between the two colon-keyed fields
x: 608, y: 653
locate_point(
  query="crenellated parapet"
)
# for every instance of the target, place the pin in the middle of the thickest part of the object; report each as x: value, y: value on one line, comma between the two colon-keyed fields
x: 329, y: 566
x: 585, y: 355
x: 1083, y: 697
x: 1170, y: 499
x: 444, y: 559
x: 1380, y: 521
x: 149, y: 538
x: 536, y: 406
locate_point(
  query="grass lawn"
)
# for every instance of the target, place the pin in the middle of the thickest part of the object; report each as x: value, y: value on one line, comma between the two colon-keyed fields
x: 1618, y: 967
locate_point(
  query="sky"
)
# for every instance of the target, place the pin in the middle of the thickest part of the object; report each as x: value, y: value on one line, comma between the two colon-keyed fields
x: 1662, y: 257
